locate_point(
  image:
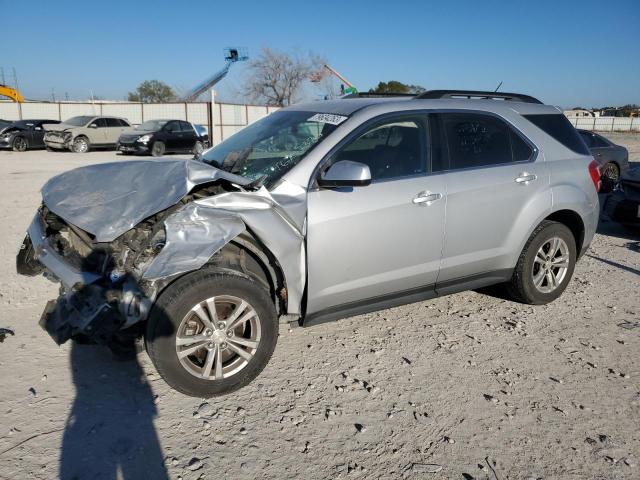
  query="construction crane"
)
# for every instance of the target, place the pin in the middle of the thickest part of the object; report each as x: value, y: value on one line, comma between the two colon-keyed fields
x: 12, y: 93
x: 316, y: 77
x: 231, y: 56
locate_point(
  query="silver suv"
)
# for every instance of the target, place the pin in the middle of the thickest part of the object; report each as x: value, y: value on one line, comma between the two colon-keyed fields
x: 316, y: 212
x: 80, y: 134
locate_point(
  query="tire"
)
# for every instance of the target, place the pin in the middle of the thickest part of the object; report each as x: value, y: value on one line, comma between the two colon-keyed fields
x: 80, y: 145
x: 610, y: 177
x: 157, y: 149
x: 173, y: 315
x: 522, y: 287
x: 20, y: 144
x: 198, y: 148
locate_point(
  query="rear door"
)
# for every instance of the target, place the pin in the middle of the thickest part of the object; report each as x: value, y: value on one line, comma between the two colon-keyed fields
x: 172, y: 132
x: 497, y: 185
x: 382, y: 241
x: 188, y: 139
x: 113, y: 131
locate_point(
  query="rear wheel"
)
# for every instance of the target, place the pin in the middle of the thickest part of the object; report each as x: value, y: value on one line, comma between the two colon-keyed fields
x: 610, y: 176
x: 198, y: 148
x: 545, y: 265
x: 80, y: 145
x: 20, y: 144
x: 157, y: 149
x: 212, y: 332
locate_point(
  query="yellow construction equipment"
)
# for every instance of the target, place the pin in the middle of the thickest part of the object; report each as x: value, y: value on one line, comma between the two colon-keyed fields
x: 12, y: 93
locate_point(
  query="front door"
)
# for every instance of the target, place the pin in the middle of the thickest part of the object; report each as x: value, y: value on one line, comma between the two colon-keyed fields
x: 384, y: 239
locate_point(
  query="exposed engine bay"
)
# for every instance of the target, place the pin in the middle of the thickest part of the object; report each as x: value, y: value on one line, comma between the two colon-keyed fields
x: 108, y: 285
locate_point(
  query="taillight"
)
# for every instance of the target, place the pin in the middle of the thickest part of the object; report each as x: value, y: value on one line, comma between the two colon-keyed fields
x: 594, y: 172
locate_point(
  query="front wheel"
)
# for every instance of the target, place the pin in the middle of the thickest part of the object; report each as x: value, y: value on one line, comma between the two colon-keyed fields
x: 157, y: 149
x: 545, y: 265
x: 20, y: 144
x: 80, y: 145
x: 212, y: 332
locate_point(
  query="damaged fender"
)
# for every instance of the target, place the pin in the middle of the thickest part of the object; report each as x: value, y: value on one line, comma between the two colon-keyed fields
x: 201, y: 228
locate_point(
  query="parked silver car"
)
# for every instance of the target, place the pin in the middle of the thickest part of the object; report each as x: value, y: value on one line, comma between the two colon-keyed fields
x: 316, y: 212
x: 81, y: 134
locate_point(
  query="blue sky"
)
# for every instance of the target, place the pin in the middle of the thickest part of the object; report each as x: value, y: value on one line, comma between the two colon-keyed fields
x: 566, y: 53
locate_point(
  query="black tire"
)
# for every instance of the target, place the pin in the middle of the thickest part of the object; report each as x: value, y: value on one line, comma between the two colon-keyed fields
x: 521, y: 287
x: 198, y: 148
x: 610, y: 177
x: 20, y: 144
x: 80, y: 144
x: 157, y: 149
x: 174, y: 304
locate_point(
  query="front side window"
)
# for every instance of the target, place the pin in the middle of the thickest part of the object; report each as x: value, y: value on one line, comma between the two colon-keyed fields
x: 479, y: 140
x: 267, y: 149
x: 100, y: 122
x: 172, y: 127
x: 392, y: 149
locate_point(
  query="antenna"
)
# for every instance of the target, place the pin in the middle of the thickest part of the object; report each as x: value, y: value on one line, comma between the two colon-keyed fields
x: 498, y: 87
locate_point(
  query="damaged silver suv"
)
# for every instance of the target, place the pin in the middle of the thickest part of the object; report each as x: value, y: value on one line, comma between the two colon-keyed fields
x: 316, y: 212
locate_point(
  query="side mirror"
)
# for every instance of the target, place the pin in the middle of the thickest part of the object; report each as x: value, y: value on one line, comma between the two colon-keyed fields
x: 345, y: 173
x: 93, y: 125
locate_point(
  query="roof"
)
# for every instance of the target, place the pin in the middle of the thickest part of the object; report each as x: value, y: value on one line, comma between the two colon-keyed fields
x: 348, y: 106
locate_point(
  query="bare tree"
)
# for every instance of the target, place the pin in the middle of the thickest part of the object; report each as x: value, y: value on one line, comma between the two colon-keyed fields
x: 278, y: 78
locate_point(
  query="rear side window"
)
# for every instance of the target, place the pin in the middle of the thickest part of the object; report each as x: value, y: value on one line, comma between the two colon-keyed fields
x: 123, y: 123
x: 479, y: 140
x: 112, y: 122
x: 560, y: 128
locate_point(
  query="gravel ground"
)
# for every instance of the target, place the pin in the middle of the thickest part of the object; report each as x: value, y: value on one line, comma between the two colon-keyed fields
x: 465, y: 386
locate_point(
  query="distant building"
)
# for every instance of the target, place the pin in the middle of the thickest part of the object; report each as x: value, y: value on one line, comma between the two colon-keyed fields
x: 580, y: 113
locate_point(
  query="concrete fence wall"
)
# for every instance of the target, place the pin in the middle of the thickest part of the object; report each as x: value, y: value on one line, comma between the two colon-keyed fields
x: 607, y: 124
x: 221, y: 119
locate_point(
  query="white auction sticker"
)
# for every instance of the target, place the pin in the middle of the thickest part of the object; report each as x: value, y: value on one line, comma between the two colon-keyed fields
x: 327, y: 118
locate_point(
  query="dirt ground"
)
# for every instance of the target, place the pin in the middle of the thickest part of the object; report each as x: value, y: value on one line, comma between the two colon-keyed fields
x: 468, y: 386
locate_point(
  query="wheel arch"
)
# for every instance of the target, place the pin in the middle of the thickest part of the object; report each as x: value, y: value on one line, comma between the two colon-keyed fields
x: 573, y: 221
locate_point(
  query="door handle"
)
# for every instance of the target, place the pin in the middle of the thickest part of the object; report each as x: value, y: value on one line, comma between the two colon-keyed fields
x: 525, y: 178
x: 426, y: 198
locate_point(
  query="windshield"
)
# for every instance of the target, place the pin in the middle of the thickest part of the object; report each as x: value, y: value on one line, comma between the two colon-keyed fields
x: 151, y: 125
x: 78, y: 121
x: 270, y: 147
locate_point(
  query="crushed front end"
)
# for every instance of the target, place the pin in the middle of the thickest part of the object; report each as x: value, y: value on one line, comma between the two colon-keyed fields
x: 101, y: 291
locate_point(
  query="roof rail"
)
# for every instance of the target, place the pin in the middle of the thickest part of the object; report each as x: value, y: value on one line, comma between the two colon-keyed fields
x: 516, y: 97
x: 377, y: 95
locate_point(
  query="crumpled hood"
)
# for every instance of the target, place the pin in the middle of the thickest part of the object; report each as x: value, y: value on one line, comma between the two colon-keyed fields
x: 108, y: 199
x: 59, y: 127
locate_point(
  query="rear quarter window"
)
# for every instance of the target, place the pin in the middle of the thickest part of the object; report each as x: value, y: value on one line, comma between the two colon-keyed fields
x: 560, y: 128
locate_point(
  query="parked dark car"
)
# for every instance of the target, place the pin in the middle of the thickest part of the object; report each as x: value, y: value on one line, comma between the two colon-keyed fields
x: 613, y: 159
x: 25, y: 134
x: 624, y: 204
x: 158, y: 137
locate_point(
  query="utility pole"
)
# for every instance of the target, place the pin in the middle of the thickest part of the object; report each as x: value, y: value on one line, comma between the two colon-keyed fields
x: 53, y: 94
x: 3, y: 82
x: 15, y: 79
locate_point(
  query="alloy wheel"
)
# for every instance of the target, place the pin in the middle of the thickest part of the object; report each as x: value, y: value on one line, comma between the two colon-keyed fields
x: 550, y: 265
x: 218, y: 337
x: 80, y: 145
x: 19, y: 144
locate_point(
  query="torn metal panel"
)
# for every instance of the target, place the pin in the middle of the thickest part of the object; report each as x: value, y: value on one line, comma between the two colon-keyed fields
x: 110, y: 198
x: 201, y: 228
x: 194, y: 234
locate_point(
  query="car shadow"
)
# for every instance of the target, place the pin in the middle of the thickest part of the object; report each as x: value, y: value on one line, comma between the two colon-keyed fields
x: 110, y: 432
x: 615, y: 264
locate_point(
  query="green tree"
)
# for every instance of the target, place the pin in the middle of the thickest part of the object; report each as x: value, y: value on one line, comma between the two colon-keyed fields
x: 394, y: 86
x: 152, y: 91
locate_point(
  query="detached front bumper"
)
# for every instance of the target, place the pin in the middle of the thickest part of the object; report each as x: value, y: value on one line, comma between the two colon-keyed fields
x: 91, y: 307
